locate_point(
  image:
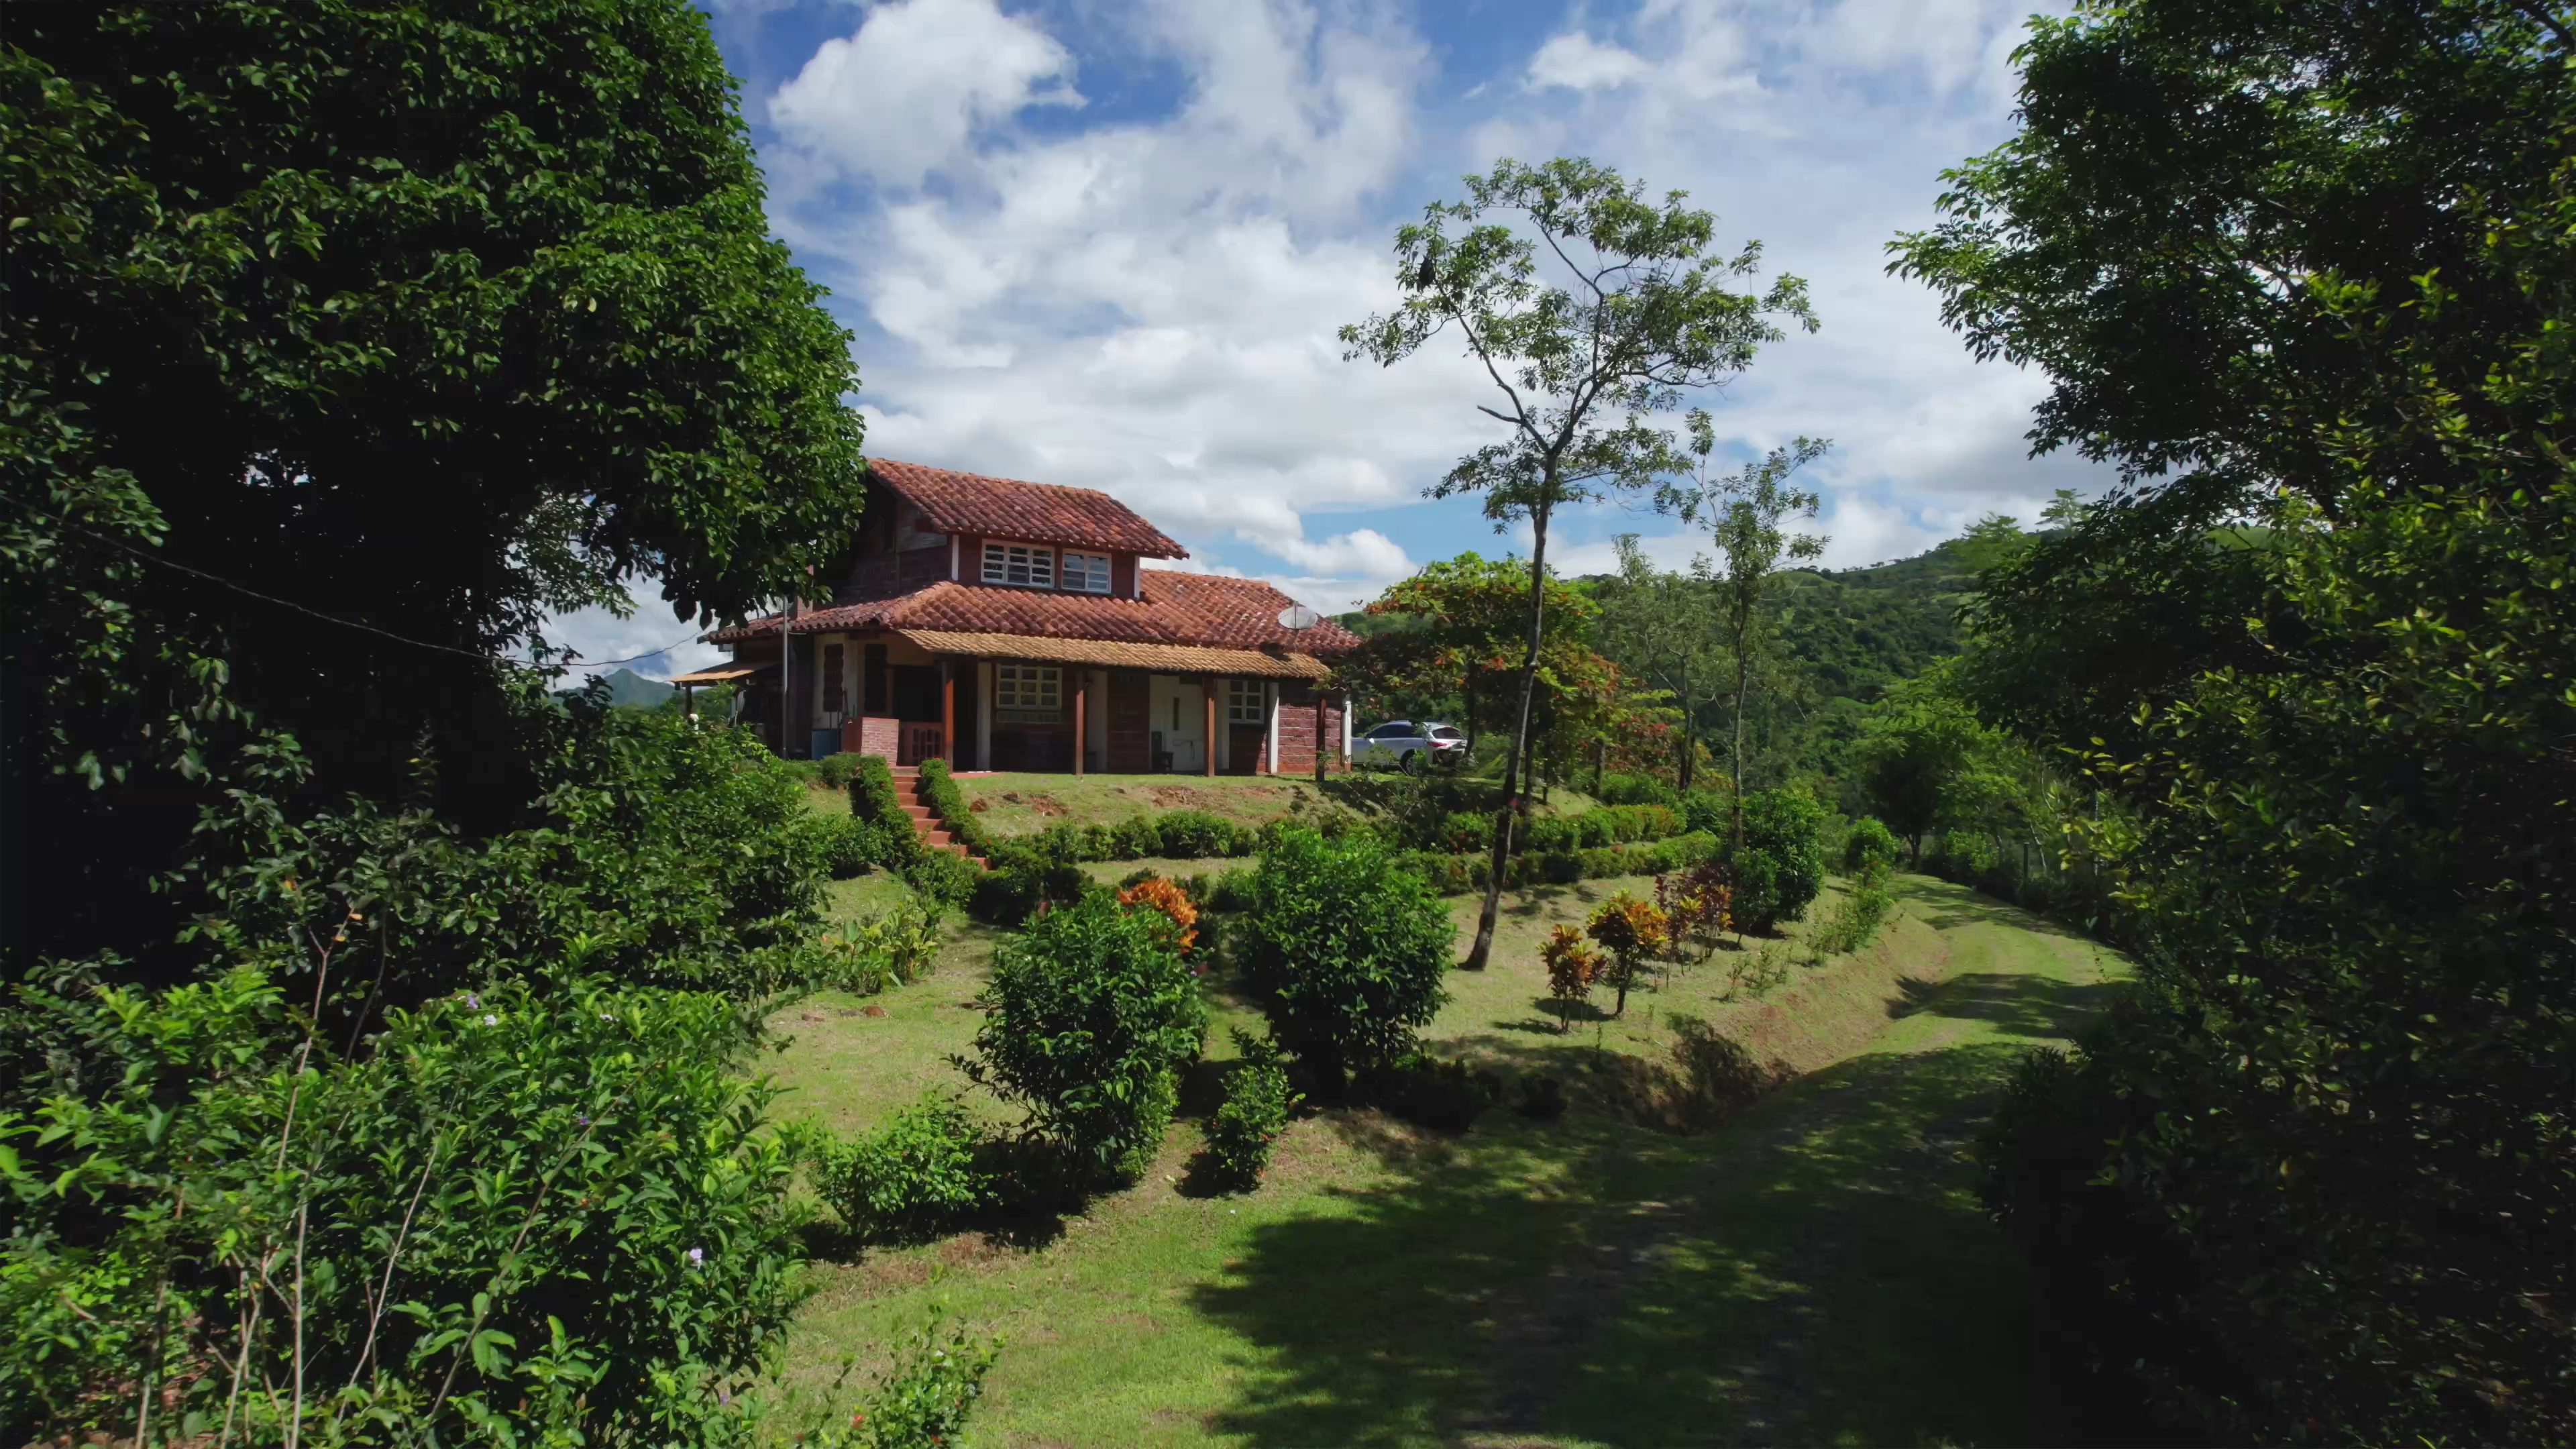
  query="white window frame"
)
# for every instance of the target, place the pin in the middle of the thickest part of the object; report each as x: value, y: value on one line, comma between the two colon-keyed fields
x: 1083, y: 573
x: 1028, y: 693
x: 1243, y: 702
x: 1033, y: 562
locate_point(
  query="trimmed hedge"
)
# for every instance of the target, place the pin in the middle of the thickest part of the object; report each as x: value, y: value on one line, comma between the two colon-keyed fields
x: 1466, y: 831
x: 875, y: 803
x: 1452, y: 875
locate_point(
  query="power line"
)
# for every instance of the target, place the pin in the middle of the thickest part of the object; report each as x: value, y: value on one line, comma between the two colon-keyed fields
x: 309, y: 611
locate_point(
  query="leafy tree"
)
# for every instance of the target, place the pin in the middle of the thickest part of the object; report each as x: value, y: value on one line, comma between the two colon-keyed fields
x: 1668, y: 629
x: 431, y: 320
x: 1928, y: 764
x: 1464, y: 622
x: 1636, y: 317
x: 2301, y: 272
x: 1746, y: 515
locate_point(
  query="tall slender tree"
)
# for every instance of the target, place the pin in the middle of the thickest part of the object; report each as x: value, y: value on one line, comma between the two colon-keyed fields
x: 1668, y: 630
x: 1591, y: 309
x: 1750, y: 517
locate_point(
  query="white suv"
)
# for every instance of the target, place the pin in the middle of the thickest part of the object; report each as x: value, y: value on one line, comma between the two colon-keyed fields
x: 1412, y: 745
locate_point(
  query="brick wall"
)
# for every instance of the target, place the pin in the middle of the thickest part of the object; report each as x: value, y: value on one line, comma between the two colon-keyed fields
x: 1297, y: 730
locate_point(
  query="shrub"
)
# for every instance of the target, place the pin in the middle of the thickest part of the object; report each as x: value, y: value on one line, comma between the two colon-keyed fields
x: 1788, y: 826
x: 1539, y: 1095
x: 1090, y: 1017
x: 1633, y: 932
x: 1708, y: 810
x: 913, y: 1179
x: 924, y: 1399
x: 1757, y: 891
x: 1698, y: 905
x: 944, y: 876
x: 939, y: 791
x: 1445, y: 1095
x: 591, y: 1212
x: 1348, y: 947
x: 1172, y: 904
x: 874, y: 801
x: 1255, y: 1110
x: 1133, y: 838
x: 904, y: 936
x: 845, y: 845
x: 835, y: 771
x: 1464, y: 831
x: 1195, y: 834
x: 1870, y: 850
x: 1618, y: 789
x: 1572, y: 966
x: 1852, y: 923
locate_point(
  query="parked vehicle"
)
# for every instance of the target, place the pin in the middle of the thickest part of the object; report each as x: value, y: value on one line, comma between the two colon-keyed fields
x: 1412, y: 745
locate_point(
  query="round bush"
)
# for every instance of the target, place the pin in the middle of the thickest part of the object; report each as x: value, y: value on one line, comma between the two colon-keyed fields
x: 1091, y: 1017
x: 912, y: 1179
x: 1348, y: 946
x: 1870, y: 849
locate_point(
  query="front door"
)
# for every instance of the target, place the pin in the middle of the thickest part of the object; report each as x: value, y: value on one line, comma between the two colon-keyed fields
x: 1131, y: 702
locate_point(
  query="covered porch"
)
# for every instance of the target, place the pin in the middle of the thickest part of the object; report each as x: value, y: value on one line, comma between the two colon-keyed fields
x: 1076, y: 706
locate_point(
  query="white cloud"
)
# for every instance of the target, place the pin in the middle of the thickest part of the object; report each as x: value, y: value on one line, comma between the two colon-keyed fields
x: 668, y: 646
x: 902, y: 96
x: 1143, y: 298
x: 1575, y: 61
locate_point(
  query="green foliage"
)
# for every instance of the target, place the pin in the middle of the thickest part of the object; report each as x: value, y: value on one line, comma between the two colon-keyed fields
x: 924, y: 1398
x: 948, y: 805
x: 893, y: 947
x: 911, y: 1180
x: 1782, y: 866
x: 2319, y: 652
x: 1444, y: 1094
x: 544, y: 1204
x: 846, y: 844
x: 875, y: 802
x: 1851, y: 923
x: 1089, y: 1018
x: 1870, y: 850
x: 1618, y: 789
x: 945, y: 876
x: 1256, y: 1108
x: 834, y: 772
x: 481, y: 310
x: 1348, y: 947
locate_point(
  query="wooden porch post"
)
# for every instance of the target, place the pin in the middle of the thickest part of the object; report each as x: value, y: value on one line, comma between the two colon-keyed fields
x: 1207, y: 692
x: 1081, y: 690
x: 948, y: 709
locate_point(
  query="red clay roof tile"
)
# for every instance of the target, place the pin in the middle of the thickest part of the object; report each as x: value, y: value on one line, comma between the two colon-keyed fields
x: 1178, y: 608
x: 1039, y: 512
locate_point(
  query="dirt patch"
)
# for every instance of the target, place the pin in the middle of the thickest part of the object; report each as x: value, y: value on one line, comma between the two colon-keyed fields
x: 1181, y: 797
x: 967, y: 1250
x: 1048, y: 807
x: 878, y: 1275
x: 872, y: 1011
x: 981, y: 804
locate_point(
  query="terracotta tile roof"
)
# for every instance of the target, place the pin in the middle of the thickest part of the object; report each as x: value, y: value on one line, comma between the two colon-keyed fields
x: 1242, y: 613
x: 1162, y: 658
x: 1196, y: 610
x: 1039, y: 512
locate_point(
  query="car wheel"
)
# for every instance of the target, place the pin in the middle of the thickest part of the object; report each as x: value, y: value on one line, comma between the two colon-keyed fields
x: 1413, y: 762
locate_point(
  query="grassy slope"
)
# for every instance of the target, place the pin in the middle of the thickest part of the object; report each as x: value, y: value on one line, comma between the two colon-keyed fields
x: 1814, y: 1271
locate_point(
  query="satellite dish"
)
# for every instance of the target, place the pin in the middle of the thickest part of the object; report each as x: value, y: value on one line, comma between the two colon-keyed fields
x: 1298, y: 616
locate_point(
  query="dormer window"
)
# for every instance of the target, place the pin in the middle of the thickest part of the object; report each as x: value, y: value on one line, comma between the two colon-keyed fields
x: 1019, y: 564
x: 1086, y: 573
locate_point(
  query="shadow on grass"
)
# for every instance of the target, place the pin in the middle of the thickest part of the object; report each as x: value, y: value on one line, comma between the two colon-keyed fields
x: 1945, y: 906
x: 1819, y: 1271
x: 2027, y: 1006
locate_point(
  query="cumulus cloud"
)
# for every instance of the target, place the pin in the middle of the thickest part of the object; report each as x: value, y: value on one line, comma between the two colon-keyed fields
x: 1140, y: 295
x: 1575, y: 61
x: 902, y: 95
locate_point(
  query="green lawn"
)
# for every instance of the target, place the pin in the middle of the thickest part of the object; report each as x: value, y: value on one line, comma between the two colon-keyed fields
x: 1815, y: 1270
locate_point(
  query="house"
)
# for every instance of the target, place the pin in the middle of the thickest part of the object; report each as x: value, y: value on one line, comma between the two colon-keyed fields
x: 1005, y: 625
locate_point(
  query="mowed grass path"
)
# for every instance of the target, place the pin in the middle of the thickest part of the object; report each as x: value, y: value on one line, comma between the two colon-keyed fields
x: 1815, y: 1270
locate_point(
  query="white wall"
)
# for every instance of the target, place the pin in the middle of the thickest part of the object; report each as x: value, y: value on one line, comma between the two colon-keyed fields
x: 1188, y: 742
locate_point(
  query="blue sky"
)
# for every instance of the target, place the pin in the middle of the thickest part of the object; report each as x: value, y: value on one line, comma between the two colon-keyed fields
x: 1107, y: 244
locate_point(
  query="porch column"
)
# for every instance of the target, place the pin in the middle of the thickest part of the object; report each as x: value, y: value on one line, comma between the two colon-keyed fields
x: 1207, y: 693
x: 948, y: 709
x: 1081, y: 695
x: 1270, y: 727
